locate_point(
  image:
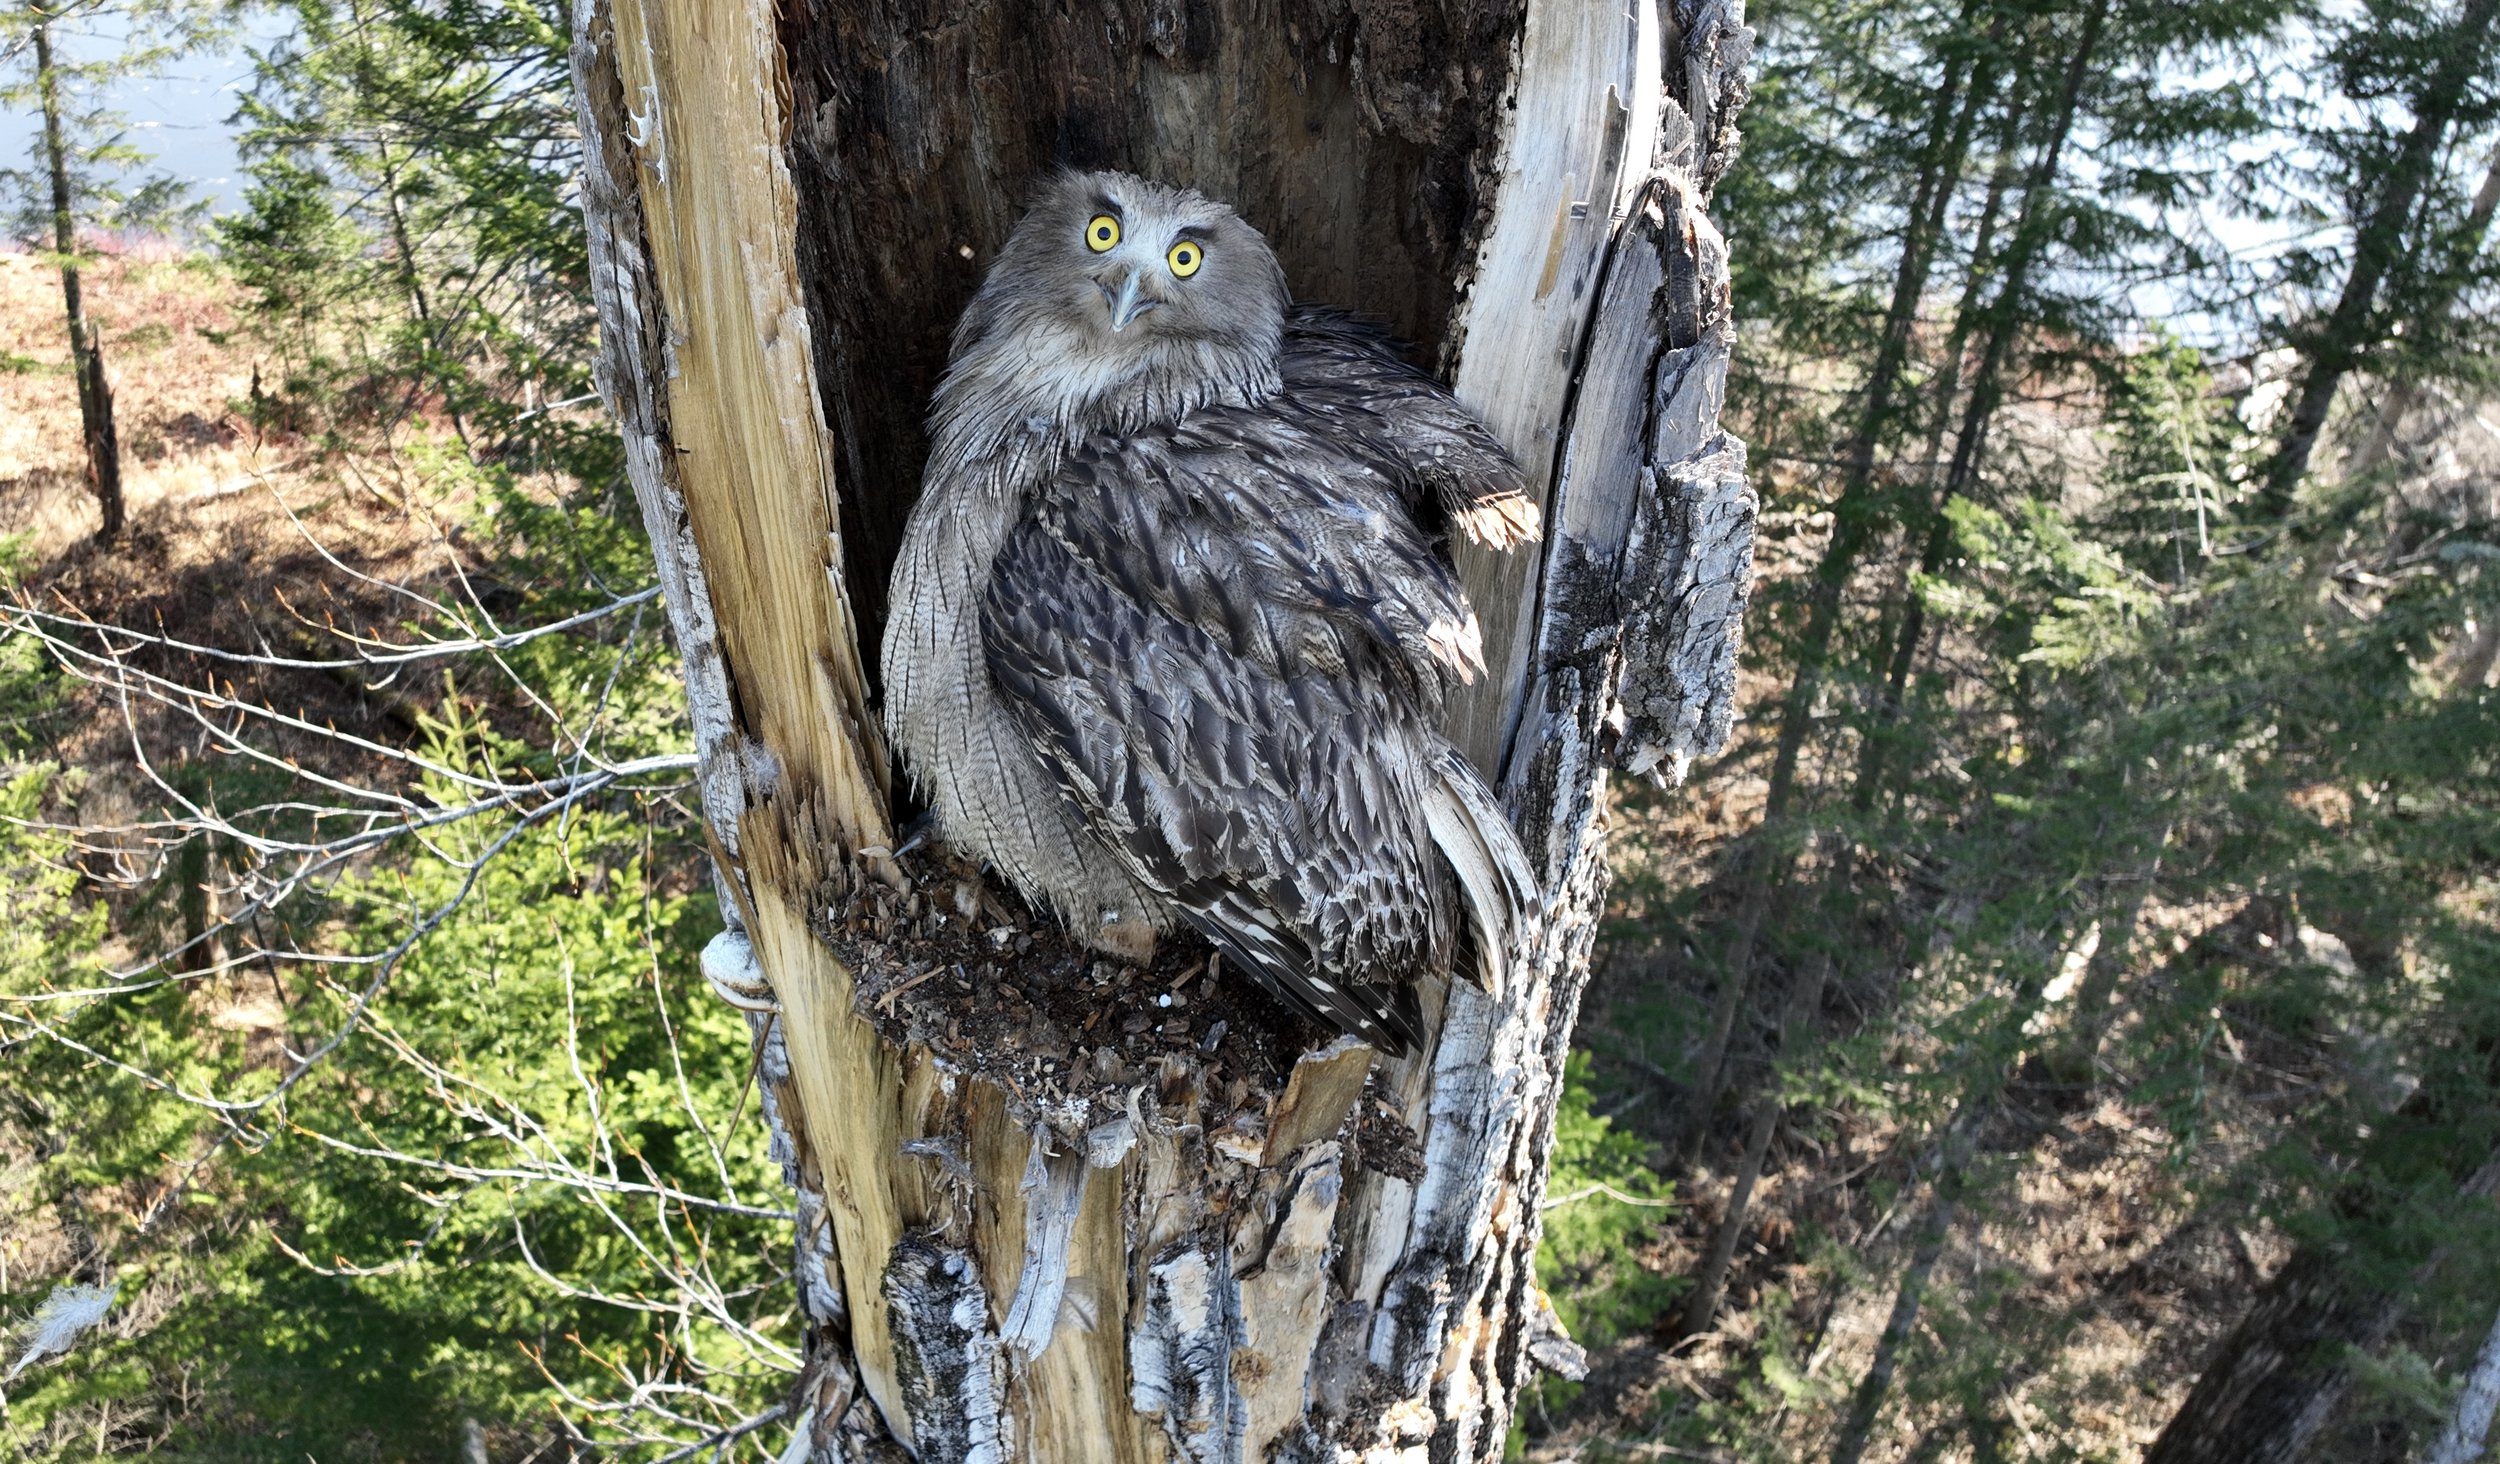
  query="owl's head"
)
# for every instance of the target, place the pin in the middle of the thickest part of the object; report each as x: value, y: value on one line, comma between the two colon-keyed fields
x: 1113, y: 280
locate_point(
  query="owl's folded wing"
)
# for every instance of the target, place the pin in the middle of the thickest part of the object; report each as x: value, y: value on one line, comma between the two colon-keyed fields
x: 1282, y: 815
x: 1287, y: 550
x: 1347, y: 374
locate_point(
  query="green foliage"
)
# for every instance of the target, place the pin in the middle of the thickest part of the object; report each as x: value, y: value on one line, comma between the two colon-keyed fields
x: 1604, y: 1206
x: 514, y: 1176
x: 1605, y: 1203
x: 400, y: 1246
x: 410, y: 241
x: 2152, y: 803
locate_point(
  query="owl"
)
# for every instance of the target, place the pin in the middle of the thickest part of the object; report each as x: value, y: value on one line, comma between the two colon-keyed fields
x: 1167, y: 645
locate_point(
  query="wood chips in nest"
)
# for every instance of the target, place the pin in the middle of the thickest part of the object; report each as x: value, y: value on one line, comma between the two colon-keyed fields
x: 998, y: 991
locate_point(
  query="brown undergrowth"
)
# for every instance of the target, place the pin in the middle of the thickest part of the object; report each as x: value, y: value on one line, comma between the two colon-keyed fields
x: 2085, y: 1251
x: 239, y: 539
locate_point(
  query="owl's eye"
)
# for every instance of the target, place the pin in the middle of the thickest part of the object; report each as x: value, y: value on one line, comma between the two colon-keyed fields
x: 1101, y: 232
x: 1185, y: 257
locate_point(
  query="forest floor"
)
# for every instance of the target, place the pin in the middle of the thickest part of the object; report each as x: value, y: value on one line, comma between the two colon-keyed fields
x: 2090, y: 1264
x: 237, y: 536
x: 2076, y: 1295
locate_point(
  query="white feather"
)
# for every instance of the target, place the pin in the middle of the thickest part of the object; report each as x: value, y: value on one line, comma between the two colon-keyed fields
x: 64, y: 1316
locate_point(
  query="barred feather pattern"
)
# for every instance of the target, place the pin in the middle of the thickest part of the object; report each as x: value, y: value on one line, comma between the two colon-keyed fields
x: 1170, y: 646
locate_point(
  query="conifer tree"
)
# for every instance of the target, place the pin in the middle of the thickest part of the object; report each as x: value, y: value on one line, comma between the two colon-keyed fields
x: 85, y: 175
x: 2388, y: 172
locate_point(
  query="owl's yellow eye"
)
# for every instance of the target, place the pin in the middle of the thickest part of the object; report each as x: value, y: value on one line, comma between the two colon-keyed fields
x: 1185, y: 257
x: 1101, y: 232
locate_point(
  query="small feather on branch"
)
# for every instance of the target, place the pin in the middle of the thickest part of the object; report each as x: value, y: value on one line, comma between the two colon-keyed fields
x: 65, y: 1315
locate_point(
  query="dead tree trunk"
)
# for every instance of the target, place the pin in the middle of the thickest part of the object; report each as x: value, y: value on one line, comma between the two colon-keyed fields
x: 86, y: 343
x: 1051, y: 1210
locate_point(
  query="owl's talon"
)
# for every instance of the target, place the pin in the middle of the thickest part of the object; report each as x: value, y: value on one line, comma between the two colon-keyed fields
x: 917, y: 833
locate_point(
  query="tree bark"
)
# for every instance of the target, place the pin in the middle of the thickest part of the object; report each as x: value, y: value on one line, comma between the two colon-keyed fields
x: 2460, y: 1441
x: 86, y: 347
x: 2282, y: 1372
x: 1063, y: 1240
x: 2338, y: 344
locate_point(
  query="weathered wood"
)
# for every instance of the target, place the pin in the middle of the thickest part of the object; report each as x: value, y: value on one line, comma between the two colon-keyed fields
x: 946, y: 1358
x: 1284, y: 1300
x: 706, y: 365
x: 1583, y: 70
x: 1050, y: 1209
x: 1326, y: 1082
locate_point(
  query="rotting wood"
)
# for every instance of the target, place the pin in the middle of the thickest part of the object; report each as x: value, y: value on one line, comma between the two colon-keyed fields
x: 1284, y: 1301
x: 1053, y: 1189
x: 1212, y: 1262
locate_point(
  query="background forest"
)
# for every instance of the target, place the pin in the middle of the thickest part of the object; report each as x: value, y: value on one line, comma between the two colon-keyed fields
x: 2064, y: 1025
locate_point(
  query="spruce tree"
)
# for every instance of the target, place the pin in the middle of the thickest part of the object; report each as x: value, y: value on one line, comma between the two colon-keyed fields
x: 86, y: 177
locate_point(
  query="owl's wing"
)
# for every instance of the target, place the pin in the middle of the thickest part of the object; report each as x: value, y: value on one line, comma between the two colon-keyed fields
x: 1260, y: 527
x: 1260, y: 807
x: 1348, y: 374
x: 1228, y: 675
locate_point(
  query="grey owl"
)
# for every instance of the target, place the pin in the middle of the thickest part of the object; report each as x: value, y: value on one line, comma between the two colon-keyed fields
x: 1167, y: 646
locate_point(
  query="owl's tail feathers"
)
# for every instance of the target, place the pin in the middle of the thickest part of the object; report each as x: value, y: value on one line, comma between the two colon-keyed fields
x: 1386, y: 1015
x: 1475, y: 836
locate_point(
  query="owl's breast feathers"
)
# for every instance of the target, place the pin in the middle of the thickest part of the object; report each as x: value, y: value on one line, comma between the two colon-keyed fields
x: 1229, y: 643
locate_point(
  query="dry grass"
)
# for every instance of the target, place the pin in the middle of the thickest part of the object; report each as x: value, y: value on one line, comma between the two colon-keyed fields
x: 174, y: 380
x: 234, y: 539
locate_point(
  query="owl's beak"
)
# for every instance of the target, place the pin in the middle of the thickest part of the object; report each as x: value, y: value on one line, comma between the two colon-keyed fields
x: 1129, y: 303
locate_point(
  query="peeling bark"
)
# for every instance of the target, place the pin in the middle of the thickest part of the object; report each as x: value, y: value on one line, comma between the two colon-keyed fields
x: 946, y: 1355
x: 1181, y: 1355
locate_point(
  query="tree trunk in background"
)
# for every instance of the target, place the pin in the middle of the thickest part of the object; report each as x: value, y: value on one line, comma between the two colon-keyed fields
x: 788, y: 207
x: 2469, y: 1423
x: 2032, y: 229
x: 2077, y: 1058
x: 1907, y: 628
x: 1797, y: 1034
x: 2280, y: 1374
x: 86, y: 348
x: 1940, y: 178
x: 1866, y: 1405
x: 2337, y: 345
x: 1854, y: 522
x: 2399, y: 404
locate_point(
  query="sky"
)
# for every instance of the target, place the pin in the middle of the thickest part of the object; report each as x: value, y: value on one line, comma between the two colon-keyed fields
x: 182, y: 117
